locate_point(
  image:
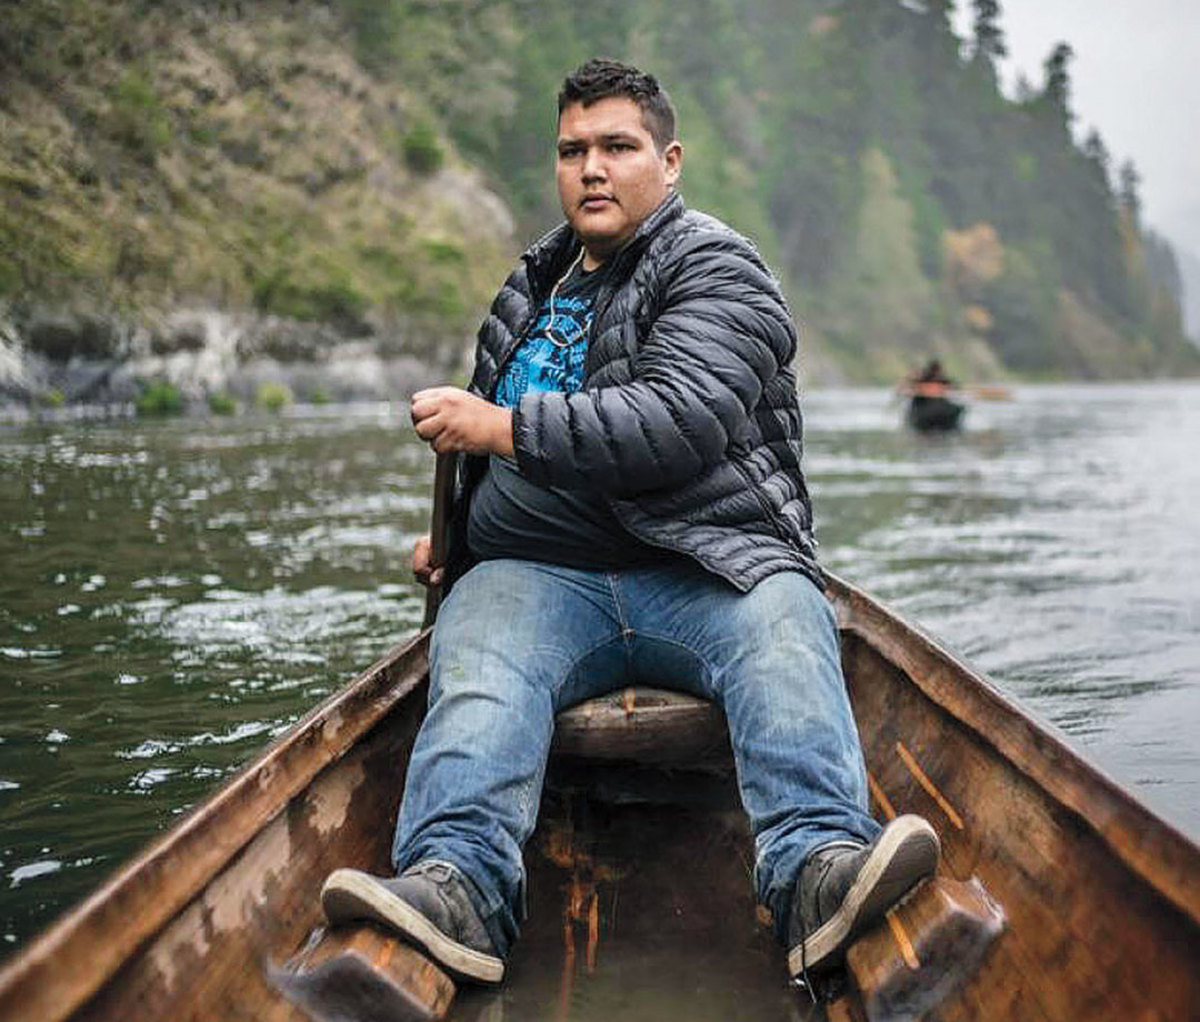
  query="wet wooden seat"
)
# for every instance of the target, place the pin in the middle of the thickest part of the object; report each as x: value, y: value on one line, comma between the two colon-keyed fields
x: 643, y: 725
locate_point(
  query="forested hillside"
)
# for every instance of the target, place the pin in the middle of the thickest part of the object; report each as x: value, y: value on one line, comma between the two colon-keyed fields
x: 338, y: 162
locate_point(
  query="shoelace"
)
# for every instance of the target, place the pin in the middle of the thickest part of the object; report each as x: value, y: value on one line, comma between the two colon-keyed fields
x: 802, y: 980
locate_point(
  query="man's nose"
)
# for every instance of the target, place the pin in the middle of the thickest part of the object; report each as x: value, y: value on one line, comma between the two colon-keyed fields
x: 593, y: 165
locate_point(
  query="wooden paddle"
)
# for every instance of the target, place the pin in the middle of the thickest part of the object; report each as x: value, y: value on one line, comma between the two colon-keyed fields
x: 989, y: 392
x: 978, y: 391
x: 439, y: 528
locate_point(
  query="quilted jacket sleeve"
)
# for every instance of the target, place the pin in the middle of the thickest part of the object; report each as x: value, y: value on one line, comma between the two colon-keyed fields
x: 722, y: 332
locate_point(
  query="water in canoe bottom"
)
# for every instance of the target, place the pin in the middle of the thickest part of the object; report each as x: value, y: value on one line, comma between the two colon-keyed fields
x: 641, y: 907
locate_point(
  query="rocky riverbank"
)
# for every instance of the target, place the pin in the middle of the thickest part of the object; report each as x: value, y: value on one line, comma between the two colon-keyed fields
x: 52, y: 358
x: 215, y: 197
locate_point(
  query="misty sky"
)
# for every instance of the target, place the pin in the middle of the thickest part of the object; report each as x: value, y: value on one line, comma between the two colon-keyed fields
x: 1136, y: 78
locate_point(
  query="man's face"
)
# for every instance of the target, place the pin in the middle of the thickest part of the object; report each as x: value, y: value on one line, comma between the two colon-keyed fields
x: 610, y: 176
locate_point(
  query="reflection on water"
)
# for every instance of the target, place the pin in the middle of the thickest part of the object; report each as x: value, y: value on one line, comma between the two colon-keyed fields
x: 174, y: 595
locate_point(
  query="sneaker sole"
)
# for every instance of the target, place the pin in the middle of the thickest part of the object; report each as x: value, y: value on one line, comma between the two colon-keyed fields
x: 349, y: 894
x: 906, y: 854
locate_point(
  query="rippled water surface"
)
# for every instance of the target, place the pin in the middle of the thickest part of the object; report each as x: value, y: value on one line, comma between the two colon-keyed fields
x: 173, y: 595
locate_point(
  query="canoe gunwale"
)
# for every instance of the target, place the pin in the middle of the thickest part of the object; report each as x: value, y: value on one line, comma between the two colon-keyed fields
x: 146, y: 892
x: 1149, y: 846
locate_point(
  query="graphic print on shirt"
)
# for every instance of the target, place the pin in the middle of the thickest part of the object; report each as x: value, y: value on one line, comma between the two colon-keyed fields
x: 552, y: 357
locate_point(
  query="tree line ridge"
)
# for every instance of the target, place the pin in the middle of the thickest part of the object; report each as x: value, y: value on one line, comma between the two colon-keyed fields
x: 373, y: 165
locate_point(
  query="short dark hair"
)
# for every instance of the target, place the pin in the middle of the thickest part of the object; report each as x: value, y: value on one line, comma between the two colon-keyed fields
x: 603, y: 79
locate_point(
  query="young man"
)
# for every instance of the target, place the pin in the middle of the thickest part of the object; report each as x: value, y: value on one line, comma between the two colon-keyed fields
x: 632, y: 505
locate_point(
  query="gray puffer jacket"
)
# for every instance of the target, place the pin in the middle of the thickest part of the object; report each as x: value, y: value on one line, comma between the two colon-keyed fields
x: 688, y: 420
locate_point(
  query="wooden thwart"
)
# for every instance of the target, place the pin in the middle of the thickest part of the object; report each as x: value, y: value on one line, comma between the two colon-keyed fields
x: 643, y: 725
x: 362, y: 973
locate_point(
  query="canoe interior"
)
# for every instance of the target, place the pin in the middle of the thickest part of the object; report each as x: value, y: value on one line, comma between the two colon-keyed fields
x: 640, y: 910
x: 639, y: 875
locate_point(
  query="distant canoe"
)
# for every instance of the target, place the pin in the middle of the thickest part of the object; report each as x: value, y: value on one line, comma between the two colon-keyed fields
x: 930, y: 414
x: 639, y: 874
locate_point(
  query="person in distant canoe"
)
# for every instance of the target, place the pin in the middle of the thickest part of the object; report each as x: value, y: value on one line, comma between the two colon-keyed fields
x: 933, y: 373
x: 931, y: 381
x: 932, y: 405
x: 631, y: 506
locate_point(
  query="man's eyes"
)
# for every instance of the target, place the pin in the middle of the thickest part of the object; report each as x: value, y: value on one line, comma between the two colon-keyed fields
x: 570, y: 152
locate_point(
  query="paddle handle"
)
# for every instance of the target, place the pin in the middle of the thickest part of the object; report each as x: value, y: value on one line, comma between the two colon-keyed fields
x: 439, y: 528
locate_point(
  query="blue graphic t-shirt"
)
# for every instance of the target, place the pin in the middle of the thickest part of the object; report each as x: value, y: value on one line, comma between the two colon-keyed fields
x: 554, y: 351
x: 512, y: 517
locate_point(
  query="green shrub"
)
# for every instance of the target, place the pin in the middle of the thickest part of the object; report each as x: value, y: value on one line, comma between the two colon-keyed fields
x: 443, y: 253
x: 221, y: 404
x: 319, y: 396
x: 159, y: 398
x: 203, y: 134
x: 52, y: 398
x: 335, y: 301
x: 137, y: 118
x: 273, y: 396
x: 10, y: 275
x: 422, y: 151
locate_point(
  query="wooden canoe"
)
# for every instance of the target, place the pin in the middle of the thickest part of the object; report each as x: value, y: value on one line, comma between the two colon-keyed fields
x: 640, y: 899
x: 933, y: 414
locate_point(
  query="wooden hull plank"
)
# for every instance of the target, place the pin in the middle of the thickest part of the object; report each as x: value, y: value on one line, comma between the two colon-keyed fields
x: 1156, y: 851
x: 213, y: 960
x: 1086, y: 931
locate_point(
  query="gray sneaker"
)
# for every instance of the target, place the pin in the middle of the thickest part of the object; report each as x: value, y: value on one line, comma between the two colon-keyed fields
x: 428, y: 904
x: 844, y: 889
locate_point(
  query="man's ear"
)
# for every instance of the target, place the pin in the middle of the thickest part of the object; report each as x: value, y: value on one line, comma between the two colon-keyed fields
x: 672, y: 158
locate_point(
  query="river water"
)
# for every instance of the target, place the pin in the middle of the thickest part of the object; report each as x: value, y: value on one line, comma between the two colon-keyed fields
x: 175, y: 594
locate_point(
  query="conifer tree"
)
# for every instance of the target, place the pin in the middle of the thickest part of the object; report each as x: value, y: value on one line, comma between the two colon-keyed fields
x: 1099, y: 164
x: 1057, y: 90
x: 1096, y: 151
x: 1128, y: 191
x: 989, y: 41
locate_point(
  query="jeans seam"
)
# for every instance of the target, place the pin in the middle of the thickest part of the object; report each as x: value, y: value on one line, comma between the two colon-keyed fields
x: 616, y: 597
x: 622, y: 620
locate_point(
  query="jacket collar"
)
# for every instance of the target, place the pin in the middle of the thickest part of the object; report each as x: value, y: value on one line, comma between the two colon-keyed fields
x: 552, y: 253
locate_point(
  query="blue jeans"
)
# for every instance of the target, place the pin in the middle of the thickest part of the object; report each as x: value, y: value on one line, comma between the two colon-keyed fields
x: 517, y: 641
